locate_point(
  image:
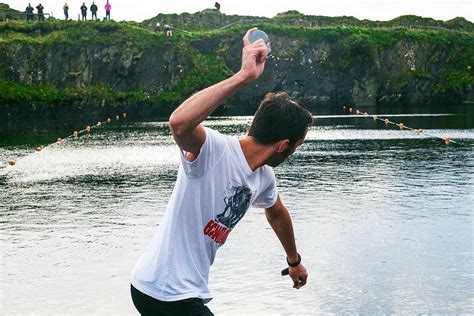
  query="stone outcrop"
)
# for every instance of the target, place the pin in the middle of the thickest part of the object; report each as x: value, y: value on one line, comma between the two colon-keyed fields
x: 325, y: 68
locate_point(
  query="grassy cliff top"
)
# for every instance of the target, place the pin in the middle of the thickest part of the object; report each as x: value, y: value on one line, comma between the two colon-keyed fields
x: 77, y: 33
x: 212, y: 19
x: 131, y: 33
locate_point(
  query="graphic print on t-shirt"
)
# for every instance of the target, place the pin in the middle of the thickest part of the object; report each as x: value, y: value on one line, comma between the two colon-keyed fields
x: 237, y: 201
x: 235, y: 206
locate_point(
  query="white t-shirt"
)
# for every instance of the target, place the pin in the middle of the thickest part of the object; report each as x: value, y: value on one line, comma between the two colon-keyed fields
x: 210, y: 197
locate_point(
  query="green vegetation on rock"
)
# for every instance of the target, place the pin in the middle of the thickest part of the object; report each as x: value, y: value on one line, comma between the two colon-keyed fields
x: 78, y: 33
x: 129, y: 64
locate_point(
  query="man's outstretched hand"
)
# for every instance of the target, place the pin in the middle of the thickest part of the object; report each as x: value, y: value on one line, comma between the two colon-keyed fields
x: 299, y: 275
x: 254, y: 56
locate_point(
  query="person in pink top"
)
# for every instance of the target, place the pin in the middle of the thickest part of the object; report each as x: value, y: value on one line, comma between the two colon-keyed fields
x: 107, y: 10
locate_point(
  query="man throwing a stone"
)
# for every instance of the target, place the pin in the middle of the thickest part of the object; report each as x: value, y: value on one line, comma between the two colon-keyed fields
x: 219, y: 178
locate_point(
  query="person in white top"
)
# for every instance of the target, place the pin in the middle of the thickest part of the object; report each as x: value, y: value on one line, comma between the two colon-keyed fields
x: 219, y: 178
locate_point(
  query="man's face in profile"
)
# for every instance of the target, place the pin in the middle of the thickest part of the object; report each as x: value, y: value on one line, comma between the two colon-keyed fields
x: 279, y: 158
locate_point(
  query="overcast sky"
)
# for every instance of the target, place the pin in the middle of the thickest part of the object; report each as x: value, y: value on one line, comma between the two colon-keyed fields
x: 137, y: 10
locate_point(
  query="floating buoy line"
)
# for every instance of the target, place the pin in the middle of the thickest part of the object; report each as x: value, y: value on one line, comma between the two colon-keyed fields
x: 75, y: 135
x: 420, y: 131
x: 87, y: 130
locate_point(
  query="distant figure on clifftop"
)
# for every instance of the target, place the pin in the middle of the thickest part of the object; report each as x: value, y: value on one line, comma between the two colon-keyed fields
x: 66, y: 11
x: 217, y: 5
x: 168, y: 30
x: 40, y: 12
x: 94, y: 11
x: 29, y: 12
x: 107, y: 7
x: 84, y: 11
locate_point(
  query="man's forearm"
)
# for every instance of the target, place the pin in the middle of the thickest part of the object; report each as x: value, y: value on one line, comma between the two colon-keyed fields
x: 198, y: 107
x: 283, y: 228
x: 280, y: 220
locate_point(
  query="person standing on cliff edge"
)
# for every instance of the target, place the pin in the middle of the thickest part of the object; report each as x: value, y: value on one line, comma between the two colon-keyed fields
x: 84, y: 11
x: 168, y: 30
x: 219, y: 178
x: 93, y: 11
x: 107, y: 8
x: 39, y: 9
x: 66, y: 11
x: 29, y: 13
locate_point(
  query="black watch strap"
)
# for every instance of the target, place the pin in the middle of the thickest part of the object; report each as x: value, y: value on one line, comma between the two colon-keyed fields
x: 294, y: 264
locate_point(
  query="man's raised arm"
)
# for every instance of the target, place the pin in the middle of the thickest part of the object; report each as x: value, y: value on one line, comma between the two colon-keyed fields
x: 185, y: 121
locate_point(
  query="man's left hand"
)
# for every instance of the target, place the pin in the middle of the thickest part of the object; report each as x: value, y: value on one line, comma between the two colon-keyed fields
x: 299, y: 275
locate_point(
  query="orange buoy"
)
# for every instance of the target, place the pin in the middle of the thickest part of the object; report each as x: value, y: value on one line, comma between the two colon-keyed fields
x: 401, y: 125
x: 75, y: 134
x: 117, y: 117
x: 420, y: 131
x: 88, y: 129
x: 446, y: 140
x: 98, y: 124
x: 386, y: 121
x: 350, y: 110
x: 59, y: 139
x: 357, y: 112
x: 124, y: 115
x: 11, y: 162
x: 109, y: 120
x: 38, y: 149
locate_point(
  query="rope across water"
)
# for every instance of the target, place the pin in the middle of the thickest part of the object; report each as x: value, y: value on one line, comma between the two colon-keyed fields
x: 402, y: 126
x: 74, y: 135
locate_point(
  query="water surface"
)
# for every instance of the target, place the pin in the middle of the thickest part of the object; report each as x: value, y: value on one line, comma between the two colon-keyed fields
x: 383, y: 220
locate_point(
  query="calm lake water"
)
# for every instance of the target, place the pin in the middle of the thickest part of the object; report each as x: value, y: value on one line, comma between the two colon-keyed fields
x: 383, y: 218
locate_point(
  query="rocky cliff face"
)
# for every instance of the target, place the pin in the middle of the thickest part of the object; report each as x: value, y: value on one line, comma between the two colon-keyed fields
x: 123, y: 68
x: 328, y: 74
x: 324, y: 68
x: 325, y: 74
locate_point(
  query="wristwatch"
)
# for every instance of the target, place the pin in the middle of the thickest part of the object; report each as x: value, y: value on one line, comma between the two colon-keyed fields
x: 294, y: 264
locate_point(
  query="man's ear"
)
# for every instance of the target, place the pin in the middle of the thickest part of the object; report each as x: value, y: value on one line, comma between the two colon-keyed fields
x: 282, y: 145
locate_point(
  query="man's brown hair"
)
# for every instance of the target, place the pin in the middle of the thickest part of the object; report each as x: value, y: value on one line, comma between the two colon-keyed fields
x: 280, y: 117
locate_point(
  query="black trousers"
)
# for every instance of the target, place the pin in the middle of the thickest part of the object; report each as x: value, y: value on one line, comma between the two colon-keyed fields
x: 147, y: 305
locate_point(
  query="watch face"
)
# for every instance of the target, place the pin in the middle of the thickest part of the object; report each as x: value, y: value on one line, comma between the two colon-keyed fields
x: 257, y: 34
